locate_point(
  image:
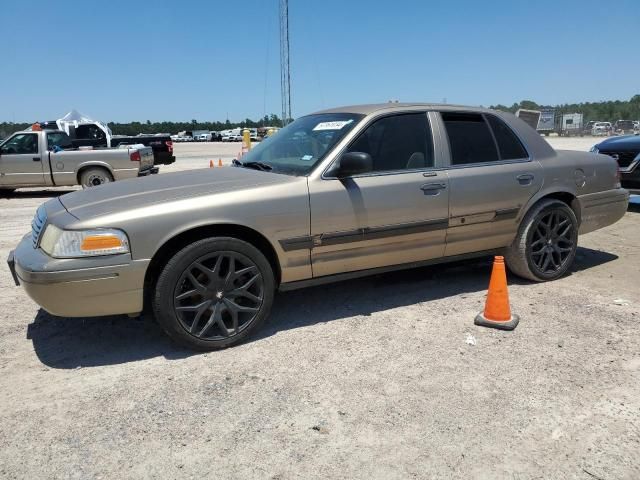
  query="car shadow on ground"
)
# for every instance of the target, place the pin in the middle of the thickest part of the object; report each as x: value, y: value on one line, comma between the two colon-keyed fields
x: 86, y: 342
x: 19, y: 194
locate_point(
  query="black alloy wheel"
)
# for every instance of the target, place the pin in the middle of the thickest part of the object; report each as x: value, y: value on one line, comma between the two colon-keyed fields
x: 218, y: 295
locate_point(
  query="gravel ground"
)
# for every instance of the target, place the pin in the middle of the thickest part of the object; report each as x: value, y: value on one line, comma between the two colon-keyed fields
x: 372, y: 378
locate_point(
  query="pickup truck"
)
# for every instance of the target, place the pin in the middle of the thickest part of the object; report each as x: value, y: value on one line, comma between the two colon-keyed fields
x: 98, y: 134
x: 45, y: 158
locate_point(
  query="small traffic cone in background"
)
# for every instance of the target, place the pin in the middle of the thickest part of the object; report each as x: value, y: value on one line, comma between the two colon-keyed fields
x: 210, y: 163
x: 497, y: 312
x: 219, y: 162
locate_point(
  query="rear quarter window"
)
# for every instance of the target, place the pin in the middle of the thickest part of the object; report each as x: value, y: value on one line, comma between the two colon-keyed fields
x: 509, y: 145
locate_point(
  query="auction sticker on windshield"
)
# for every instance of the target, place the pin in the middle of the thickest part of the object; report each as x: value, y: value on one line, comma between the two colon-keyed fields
x: 332, y: 125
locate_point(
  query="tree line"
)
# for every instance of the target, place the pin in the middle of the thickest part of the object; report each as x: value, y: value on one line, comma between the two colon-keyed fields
x: 608, y: 111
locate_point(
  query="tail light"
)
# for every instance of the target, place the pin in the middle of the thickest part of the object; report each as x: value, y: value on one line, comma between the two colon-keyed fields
x: 169, y: 145
x: 135, y: 156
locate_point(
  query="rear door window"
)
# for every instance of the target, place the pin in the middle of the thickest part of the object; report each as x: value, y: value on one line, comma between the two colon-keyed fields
x: 470, y: 139
x: 508, y: 144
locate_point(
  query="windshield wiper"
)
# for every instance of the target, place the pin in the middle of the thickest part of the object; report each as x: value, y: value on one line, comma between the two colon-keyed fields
x: 255, y: 165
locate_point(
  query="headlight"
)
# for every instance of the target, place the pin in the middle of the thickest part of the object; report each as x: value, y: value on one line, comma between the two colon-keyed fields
x: 83, y: 243
x: 594, y: 149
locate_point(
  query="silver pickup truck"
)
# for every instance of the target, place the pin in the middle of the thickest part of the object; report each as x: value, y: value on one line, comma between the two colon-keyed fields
x: 46, y: 158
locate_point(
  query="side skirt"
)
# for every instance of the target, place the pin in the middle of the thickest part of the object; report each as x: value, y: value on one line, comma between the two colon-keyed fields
x: 340, y: 277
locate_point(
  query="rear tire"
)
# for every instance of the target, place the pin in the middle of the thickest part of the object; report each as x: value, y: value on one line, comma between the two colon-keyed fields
x: 214, y: 293
x: 95, y: 176
x: 545, y: 246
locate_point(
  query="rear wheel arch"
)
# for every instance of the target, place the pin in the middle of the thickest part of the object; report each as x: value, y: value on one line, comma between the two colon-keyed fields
x: 564, y: 196
x: 182, y: 239
x: 86, y: 167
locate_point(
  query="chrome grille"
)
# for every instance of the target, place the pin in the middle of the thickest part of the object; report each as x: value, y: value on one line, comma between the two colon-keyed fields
x: 37, y: 225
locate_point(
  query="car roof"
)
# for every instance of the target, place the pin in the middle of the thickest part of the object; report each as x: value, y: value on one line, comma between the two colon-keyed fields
x: 368, y: 109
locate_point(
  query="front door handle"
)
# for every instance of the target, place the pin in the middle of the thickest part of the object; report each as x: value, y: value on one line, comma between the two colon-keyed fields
x: 36, y: 159
x: 525, y: 179
x: 433, y: 188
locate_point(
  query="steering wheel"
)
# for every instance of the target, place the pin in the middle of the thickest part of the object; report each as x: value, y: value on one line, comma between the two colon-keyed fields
x: 11, y: 149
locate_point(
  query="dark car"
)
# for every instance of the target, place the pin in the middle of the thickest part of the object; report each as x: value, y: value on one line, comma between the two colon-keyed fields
x: 623, y: 127
x: 626, y: 151
x: 162, y: 146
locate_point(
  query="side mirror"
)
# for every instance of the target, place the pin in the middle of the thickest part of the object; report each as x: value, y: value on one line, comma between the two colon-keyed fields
x: 353, y: 163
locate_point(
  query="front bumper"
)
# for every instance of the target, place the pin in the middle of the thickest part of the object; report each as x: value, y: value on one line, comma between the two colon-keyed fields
x: 86, y: 287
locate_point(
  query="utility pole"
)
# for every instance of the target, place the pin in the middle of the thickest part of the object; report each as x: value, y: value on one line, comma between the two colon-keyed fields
x: 285, y: 77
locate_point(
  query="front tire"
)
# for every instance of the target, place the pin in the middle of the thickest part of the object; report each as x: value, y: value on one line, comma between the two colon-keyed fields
x: 545, y: 246
x: 214, y: 293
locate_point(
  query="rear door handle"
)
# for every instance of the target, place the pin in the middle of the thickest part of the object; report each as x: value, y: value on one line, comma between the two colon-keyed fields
x: 36, y: 159
x: 433, y: 188
x: 525, y: 179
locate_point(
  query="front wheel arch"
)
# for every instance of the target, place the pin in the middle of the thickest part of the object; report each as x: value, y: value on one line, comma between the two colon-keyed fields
x: 176, y: 243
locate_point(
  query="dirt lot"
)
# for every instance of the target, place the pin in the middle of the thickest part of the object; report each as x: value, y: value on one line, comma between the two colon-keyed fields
x: 371, y: 378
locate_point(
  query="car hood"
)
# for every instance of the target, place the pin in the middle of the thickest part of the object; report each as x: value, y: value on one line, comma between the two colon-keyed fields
x: 155, y: 189
x: 627, y: 142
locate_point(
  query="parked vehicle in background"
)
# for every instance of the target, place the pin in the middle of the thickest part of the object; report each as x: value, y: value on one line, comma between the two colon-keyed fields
x: 84, y: 131
x: 215, y: 136
x: 636, y: 125
x: 342, y: 193
x: 203, y: 137
x: 623, y: 127
x: 588, y: 127
x: 530, y: 117
x: 601, y: 128
x: 546, y: 122
x: 44, y: 158
x: 231, y: 136
x: 626, y: 151
x: 569, y: 124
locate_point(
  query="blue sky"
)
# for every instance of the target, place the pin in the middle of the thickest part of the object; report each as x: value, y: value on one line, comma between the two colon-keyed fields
x: 169, y: 60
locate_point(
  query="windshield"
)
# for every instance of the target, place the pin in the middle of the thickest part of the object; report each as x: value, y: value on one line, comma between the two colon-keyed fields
x: 297, y: 148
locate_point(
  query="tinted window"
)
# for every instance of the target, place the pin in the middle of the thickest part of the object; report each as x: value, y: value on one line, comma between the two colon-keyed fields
x: 23, y: 143
x: 470, y: 139
x: 399, y: 142
x: 58, y: 139
x: 508, y: 144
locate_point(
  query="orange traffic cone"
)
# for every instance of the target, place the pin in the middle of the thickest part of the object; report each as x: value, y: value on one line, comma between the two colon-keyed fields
x: 497, y: 312
x: 210, y: 163
x: 219, y: 162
